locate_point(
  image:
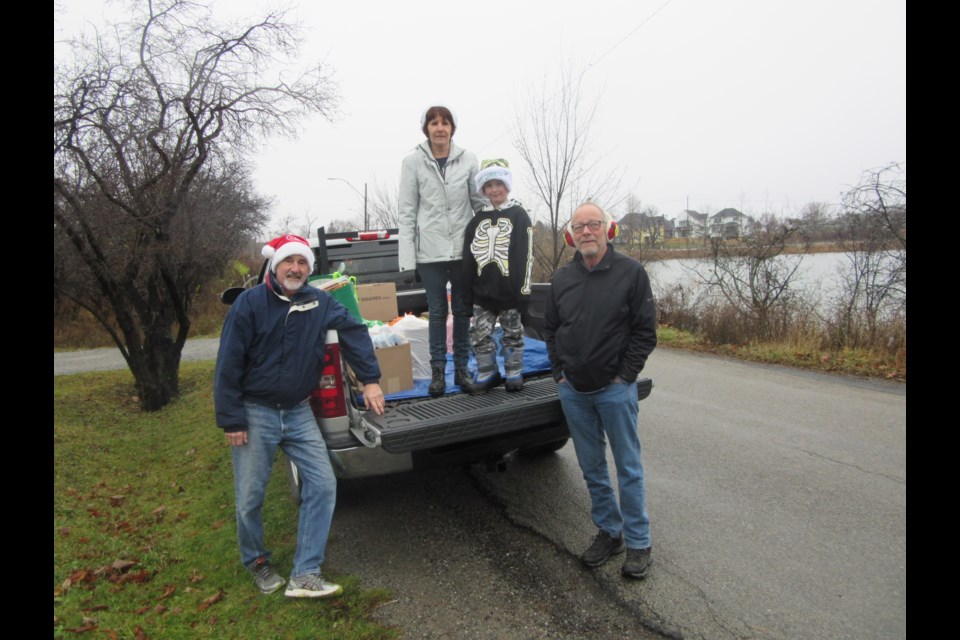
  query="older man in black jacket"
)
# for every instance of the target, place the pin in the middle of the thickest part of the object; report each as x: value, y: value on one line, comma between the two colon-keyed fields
x: 600, y: 328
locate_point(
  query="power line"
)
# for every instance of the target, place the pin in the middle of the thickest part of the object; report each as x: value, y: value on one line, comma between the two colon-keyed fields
x: 589, y: 67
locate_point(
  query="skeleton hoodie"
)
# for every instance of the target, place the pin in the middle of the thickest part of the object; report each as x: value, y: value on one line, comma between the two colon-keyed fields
x: 498, y: 258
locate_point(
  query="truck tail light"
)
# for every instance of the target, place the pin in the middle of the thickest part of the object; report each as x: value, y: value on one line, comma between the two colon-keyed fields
x: 327, y: 399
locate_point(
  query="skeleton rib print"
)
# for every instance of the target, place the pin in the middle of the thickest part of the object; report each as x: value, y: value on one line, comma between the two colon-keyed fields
x: 491, y: 244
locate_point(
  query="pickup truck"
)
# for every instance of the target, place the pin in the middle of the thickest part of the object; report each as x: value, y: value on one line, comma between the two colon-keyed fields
x: 422, y: 432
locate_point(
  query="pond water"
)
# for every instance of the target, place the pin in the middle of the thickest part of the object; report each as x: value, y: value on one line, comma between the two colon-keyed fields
x: 817, y: 277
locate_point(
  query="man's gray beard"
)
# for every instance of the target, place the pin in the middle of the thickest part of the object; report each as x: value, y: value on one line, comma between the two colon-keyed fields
x: 292, y: 284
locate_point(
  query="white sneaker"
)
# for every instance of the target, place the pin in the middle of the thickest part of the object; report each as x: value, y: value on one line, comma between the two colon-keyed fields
x: 312, y: 586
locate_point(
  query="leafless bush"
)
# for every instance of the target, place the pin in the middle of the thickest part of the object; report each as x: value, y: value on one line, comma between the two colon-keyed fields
x: 679, y: 307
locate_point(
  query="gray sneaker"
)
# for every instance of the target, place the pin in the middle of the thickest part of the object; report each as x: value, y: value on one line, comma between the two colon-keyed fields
x: 602, y: 548
x: 266, y: 578
x: 311, y: 586
x: 637, y: 563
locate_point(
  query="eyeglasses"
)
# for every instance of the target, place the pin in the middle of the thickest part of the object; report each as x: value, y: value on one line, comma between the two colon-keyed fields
x: 593, y: 224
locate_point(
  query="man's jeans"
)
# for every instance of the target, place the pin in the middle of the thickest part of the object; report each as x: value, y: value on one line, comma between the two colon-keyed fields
x: 434, y: 276
x: 296, y: 432
x: 610, y: 413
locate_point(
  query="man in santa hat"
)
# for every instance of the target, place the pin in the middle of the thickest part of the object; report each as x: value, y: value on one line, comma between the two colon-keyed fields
x: 270, y: 360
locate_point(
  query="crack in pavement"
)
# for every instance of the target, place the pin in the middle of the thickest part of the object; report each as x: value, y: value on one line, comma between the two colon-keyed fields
x: 849, y: 464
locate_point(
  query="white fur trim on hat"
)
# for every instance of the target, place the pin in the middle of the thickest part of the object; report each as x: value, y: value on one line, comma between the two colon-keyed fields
x: 494, y: 173
x: 278, y: 249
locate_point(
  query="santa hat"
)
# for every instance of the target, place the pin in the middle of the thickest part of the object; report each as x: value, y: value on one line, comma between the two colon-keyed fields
x: 280, y: 248
x: 498, y: 169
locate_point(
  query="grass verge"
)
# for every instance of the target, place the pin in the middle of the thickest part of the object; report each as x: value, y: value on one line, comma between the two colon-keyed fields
x: 801, y: 354
x: 144, y: 530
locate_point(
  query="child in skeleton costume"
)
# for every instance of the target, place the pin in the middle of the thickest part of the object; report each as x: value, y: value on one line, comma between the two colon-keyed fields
x: 497, y: 259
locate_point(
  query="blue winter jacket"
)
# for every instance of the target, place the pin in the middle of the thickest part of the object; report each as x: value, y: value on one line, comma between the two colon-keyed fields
x: 271, y: 350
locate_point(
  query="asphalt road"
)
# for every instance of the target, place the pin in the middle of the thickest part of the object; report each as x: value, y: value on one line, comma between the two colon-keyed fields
x: 67, y: 362
x: 778, y: 507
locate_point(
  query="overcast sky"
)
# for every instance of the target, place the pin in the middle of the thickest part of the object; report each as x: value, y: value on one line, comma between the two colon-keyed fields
x: 762, y: 105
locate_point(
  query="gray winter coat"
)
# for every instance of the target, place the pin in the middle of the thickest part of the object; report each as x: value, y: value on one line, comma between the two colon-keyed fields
x: 435, y: 210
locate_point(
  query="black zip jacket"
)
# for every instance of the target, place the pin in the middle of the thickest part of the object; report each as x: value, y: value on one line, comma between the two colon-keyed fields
x: 600, y: 323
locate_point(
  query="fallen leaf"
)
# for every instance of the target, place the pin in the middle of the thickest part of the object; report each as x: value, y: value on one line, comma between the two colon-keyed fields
x: 138, y: 577
x: 217, y: 524
x: 116, y: 501
x: 122, y: 565
x: 182, y: 515
x: 87, y: 620
x: 96, y: 607
x: 196, y: 577
x: 94, y: 512
x: 81, y: 575
x: 168, y: 592
x: 215, y: 598
x: 139, y: 634
x: 142, y: 610
x: 84, y: 540
x: 83, y: 629
x: 65, y: 532
x: 159, y: 608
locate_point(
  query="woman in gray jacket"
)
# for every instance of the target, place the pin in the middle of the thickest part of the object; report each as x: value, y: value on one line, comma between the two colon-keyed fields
x: 438, y: 198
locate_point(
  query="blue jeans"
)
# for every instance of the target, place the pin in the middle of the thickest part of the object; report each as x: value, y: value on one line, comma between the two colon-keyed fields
x: 296, y: 432
x: 610, y: 413
x: 434, y: 276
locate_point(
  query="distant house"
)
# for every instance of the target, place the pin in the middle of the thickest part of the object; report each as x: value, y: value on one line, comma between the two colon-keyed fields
x: 642, y: 228
x: 729, y: 223
x: 690, y: 224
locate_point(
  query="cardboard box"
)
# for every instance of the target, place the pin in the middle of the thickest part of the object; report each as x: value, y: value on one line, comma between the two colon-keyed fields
x: 378, y: 301
x: 396, y: 368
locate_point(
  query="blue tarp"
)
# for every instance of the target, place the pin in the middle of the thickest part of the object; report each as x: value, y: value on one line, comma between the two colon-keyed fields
x: 535, y: 360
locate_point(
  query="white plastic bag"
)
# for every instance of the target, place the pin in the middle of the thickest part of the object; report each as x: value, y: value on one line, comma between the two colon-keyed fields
x: 412, y: 329
x: 384, y: 336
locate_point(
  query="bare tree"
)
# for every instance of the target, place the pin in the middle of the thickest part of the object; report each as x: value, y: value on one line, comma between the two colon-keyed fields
x: 641, y: 228
x: 553, y: 140
x: 384, y: 206
x: 872, y: 231
x: 338, y: 225
x: 304, y: 226
x: 149, y: 125
x: 753, y: 274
